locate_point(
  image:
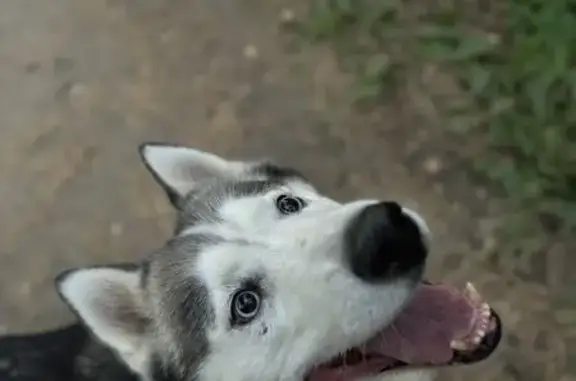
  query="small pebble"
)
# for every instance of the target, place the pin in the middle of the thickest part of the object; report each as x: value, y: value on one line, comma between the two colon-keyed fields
x: 116, y: 229
x: 250, y: 52
x: 494, y: 38
x: 287, y: 16
x: 481, y: 193
x: 78, y: 90
x: 433, y: 165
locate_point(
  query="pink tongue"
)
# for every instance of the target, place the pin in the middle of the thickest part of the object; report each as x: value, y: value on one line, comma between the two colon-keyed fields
x: 422, y: 333
x: 349, y: 373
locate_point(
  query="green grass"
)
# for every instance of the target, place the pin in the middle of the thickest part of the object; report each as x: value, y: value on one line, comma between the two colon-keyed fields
x: 521, y: 78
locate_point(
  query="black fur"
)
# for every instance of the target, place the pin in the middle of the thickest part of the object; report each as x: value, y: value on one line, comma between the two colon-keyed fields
x: 65, y: 354
x: 278, y: 173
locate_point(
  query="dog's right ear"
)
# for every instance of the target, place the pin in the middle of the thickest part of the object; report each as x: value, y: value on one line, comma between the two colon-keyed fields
x: 178, y: 168
x: 110, y: 303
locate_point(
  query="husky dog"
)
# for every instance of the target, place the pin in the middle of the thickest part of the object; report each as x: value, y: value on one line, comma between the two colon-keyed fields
x: 264, y: 279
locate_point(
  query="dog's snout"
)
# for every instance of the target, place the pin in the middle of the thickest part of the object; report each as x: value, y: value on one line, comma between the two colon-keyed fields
x: 383, y: 242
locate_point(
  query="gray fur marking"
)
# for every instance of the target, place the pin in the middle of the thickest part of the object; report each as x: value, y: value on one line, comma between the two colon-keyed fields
x: 185, y: 299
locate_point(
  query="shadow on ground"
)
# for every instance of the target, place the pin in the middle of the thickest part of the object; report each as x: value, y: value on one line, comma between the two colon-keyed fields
x: 83, y: 83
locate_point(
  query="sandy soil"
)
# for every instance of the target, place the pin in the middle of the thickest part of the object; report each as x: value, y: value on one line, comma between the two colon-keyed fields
x: 83, y: 83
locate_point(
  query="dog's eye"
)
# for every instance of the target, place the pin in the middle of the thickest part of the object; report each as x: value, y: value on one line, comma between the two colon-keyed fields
x: 289, y: 204
x: 245, y: 306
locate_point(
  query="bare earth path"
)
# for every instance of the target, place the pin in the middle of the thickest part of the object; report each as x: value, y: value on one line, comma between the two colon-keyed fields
x: 82, y: 83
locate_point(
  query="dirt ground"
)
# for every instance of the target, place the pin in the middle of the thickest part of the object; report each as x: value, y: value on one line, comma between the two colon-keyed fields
x: 82, y: 83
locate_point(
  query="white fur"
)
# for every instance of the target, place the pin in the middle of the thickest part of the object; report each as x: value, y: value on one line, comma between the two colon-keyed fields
x: 316, y: 307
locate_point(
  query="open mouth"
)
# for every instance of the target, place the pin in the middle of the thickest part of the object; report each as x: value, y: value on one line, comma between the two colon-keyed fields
x: 440, y: 326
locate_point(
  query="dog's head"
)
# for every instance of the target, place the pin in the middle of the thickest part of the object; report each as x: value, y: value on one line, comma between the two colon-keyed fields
x: 264, y: 279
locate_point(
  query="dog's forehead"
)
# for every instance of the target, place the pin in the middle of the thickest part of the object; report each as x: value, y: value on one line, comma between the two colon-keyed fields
x: 202, y: 203
x: 273, y: 172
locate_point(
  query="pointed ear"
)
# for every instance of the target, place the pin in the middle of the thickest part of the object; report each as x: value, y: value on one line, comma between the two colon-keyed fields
x: 178, y: 168
x: 109, y: 302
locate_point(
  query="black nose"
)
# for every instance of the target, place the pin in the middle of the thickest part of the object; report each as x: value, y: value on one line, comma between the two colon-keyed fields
x: 382, y: 243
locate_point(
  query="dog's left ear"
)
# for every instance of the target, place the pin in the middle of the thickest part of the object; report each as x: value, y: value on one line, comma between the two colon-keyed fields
x: 109, y: 301
x: 178, y: 168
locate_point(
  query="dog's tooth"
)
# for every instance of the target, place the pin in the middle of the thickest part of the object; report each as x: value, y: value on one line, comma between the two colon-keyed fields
x: 470, y: 289
x: 485, y: 310
x: 459, y: 345
x: 480, y: 333
x: 471, y: 292
x: 491, y: 325
x: 480, y: 330
x: 476, y: 340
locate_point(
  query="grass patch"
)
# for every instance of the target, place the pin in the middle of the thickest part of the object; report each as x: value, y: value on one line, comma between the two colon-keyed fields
x: 519, y: 71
